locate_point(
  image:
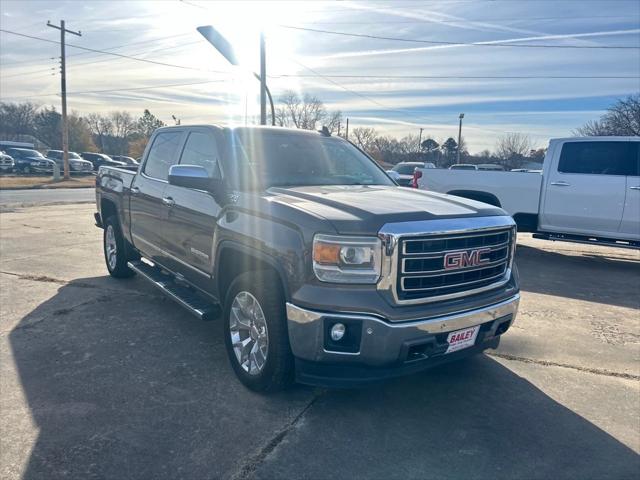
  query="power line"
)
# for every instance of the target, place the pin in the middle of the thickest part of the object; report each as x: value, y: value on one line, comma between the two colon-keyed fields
x: 442, y: 42
x: 387, y: 21
x: 115, y: 90
x: 465, y: 77
x: 154, y: 62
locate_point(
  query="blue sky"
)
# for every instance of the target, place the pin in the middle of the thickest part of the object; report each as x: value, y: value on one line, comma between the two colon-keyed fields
x: 339, y: 69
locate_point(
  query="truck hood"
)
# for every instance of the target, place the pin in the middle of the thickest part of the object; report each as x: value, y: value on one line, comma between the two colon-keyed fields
x: 363, y: 209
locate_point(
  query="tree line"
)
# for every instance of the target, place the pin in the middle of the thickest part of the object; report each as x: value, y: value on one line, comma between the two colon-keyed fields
x: 116, y: 133
x: 121, y: 133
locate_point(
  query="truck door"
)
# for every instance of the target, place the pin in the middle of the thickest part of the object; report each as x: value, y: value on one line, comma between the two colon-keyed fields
x: 148, y: 211
x: 191, y: 220
x: 630, y: 226
x: 585, y: 188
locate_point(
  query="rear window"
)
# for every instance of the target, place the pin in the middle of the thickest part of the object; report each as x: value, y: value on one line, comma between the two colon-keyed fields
x: 163, y: 154
x: 599, y: 158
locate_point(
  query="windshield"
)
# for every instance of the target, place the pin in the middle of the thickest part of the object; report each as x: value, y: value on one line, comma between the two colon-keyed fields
x: 263, y: 159
x: 405, y: 169
x: 28, y: 153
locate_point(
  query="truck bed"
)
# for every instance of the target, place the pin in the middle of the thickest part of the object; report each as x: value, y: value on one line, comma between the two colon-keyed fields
x: 516, y: 192
x: 116, y: 179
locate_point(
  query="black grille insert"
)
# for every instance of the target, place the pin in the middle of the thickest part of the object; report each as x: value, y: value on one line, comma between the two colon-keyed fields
x: 432, y: 266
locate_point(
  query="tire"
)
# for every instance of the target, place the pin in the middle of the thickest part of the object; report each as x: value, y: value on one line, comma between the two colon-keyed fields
x: 27, y: 170
x: 276, y: 372
x: 115, y: 249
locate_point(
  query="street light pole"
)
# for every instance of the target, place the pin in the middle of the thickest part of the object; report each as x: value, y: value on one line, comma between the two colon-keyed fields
x: 459, y: 135
x: 420, y: 139
x: 223, y: 46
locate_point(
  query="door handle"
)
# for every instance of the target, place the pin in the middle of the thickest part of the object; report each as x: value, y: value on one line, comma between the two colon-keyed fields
x: 561, y: 184
x: 135, y: 190
x: 168, y: 201
x: 637, y: 187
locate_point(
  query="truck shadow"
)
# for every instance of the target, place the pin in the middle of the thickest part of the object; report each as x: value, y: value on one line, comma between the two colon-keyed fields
x: 594, y: 278
x: 127, y: 385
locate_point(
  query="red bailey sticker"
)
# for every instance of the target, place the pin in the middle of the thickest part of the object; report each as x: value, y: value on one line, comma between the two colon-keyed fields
x: 462, y: 338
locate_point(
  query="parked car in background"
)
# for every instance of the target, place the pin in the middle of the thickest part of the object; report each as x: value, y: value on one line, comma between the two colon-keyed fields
x: 6, y: 163
x: 588, y: 191
x: 30, y: 161
x: 402, y: 173
x: 463, y: 166
x: 122, y: 158
x: 76, y: 163
x: 100, y: 159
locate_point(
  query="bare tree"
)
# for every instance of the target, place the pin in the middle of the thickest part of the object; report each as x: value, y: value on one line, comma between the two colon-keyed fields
x: 17, y: 118
x: 101, y: 128
x: 364, y: 138
x: 623, y: 118
x: 513, y: 145
x: 308, y: 113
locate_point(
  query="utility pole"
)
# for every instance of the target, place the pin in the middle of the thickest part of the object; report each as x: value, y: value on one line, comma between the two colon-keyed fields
x: 346, y: 137
x: 263, y: 81
x: 459, y: 136
x: 63, y: 87
x: 338, y: 128
x: 420, y: 140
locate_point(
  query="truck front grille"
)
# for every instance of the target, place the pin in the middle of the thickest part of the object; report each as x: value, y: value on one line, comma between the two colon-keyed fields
x: 432, y: 266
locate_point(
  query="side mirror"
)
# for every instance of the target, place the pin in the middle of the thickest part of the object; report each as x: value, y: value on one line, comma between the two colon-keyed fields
x: 190, y: 176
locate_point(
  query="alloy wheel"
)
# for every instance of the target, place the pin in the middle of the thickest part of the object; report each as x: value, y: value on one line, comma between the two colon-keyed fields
x: 111, y: 247
x: 249, y: 333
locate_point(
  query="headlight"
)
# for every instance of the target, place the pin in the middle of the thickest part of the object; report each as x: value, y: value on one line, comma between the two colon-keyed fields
x: 342, y: 259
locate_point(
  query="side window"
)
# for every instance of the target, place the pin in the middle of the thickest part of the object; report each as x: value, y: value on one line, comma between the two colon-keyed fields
x: 598, y: 158
x: 163, y: 154
x: 201, y: 149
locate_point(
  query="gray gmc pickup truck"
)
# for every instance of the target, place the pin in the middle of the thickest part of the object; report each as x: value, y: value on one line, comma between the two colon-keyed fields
x: 320, y: 267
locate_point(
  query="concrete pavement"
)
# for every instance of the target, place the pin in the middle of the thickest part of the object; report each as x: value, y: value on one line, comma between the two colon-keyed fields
x: 106, y: 379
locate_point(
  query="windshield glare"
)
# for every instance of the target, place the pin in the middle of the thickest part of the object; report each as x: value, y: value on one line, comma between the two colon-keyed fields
x: 264, y: 159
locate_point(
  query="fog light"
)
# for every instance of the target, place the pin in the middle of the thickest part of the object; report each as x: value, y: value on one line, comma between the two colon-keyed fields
x: 337, y: 332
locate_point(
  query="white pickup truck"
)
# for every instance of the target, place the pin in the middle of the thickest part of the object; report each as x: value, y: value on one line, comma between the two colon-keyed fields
x: 588, y: 191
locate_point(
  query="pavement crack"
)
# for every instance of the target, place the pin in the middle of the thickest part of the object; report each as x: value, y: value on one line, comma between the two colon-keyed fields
x: 251, y: 465
x: 546, y: 363
x: 35, y: 278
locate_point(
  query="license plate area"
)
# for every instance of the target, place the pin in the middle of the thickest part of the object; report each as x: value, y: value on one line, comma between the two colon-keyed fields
x: 461, y: 339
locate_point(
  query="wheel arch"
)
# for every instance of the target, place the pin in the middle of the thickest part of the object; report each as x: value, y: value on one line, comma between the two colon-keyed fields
x: 233, y: 259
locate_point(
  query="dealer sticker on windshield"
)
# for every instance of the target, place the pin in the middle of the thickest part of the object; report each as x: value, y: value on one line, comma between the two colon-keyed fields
x: 462, y: 339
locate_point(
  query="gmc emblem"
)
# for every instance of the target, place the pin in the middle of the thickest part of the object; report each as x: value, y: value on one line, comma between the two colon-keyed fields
x: 465, y: 258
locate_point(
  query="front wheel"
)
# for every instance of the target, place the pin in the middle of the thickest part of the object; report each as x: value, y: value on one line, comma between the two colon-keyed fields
x: 255, y: 332
x: 115, y: 252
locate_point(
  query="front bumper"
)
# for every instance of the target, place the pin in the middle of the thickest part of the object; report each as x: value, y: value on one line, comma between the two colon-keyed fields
x: 383, y: 349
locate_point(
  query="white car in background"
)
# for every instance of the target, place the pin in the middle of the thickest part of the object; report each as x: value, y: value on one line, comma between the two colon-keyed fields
x: 588, y: 191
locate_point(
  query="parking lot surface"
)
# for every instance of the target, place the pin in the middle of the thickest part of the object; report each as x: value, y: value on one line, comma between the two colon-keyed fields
x: 101, y: 378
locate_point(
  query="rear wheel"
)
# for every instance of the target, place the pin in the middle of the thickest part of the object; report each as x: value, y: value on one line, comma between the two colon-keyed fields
x: 255, y: 332
x: 115, y: 250
x: 27, y: 170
